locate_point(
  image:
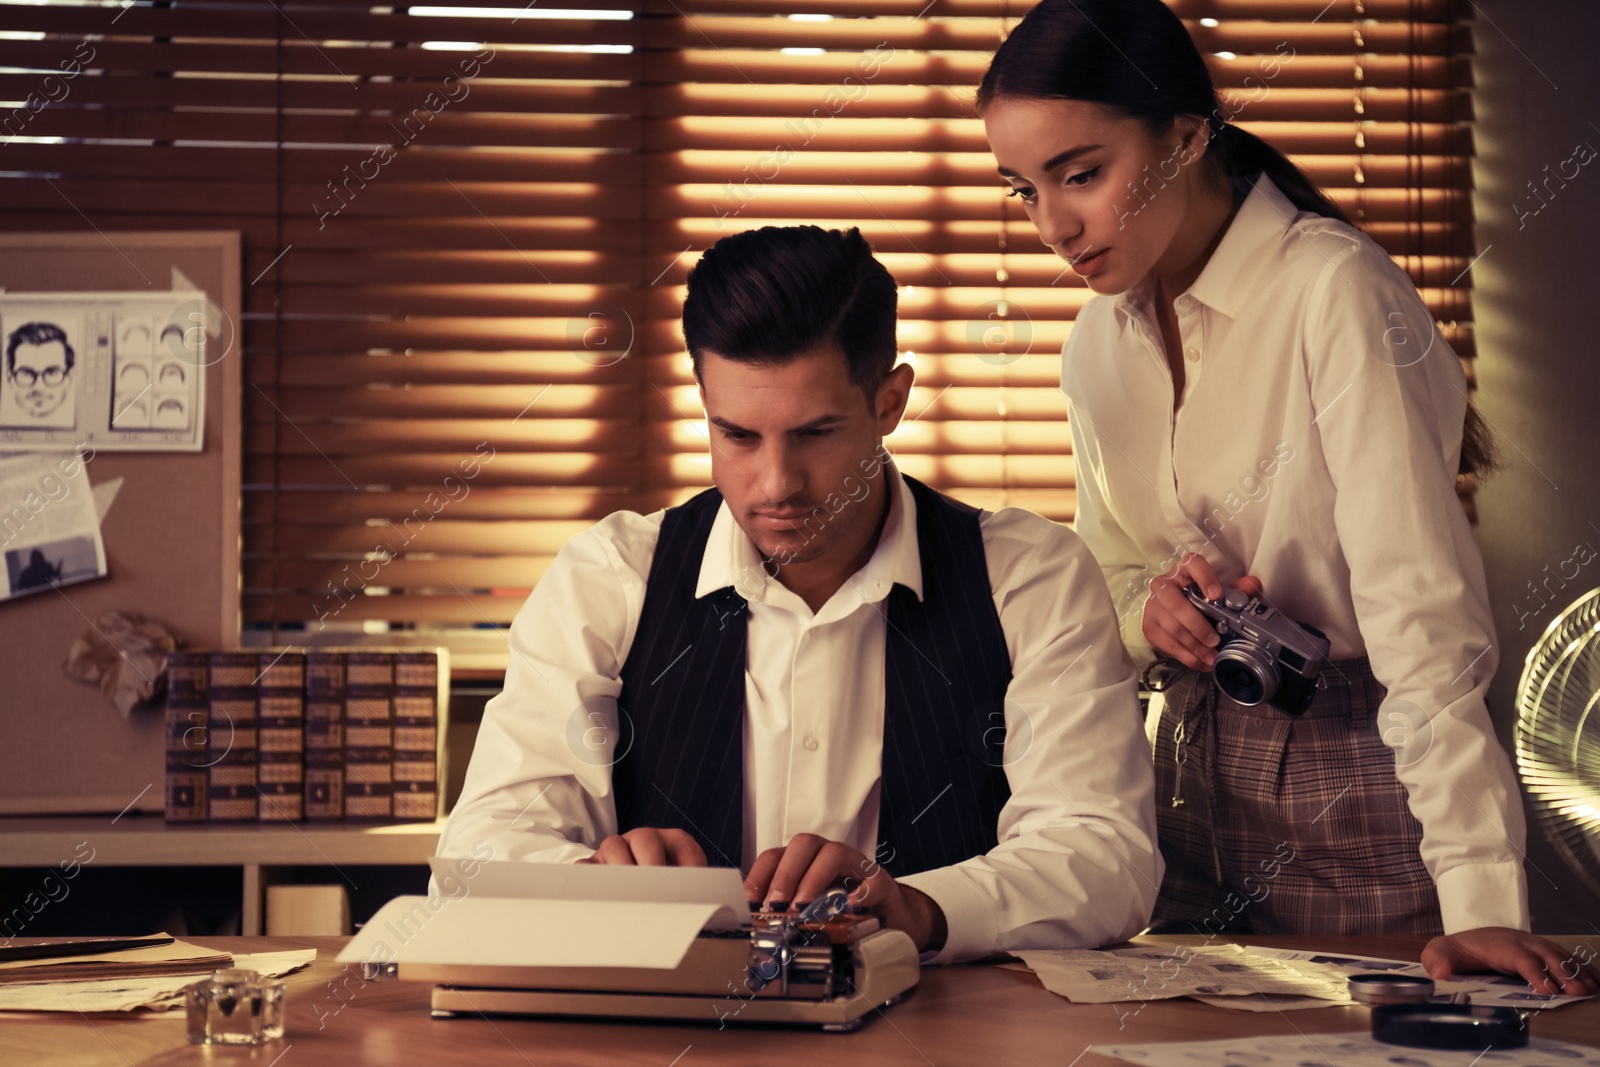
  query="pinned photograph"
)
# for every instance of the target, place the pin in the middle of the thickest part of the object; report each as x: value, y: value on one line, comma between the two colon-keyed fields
x: 116, y: 371
x: 38, y: 387
x: 49, y: 530
x: 63, y: 562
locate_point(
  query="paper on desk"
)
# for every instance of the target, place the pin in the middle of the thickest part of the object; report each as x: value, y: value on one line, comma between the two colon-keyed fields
x: 1153, y: 972
x: 1491, y: 990
x: 1265, y: 1002
x: 177, y: 957
x: 275, y: 964
x: 507, y: 932
x: 1345, y: 1049
x: 162, y: 993
x: 722, y: 886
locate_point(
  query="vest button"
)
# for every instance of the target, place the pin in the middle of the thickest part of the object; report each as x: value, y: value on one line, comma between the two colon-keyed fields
x: 810, y: 742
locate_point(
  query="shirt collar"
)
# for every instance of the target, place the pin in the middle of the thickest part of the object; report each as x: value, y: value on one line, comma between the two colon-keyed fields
x: 731, y: 558
x: 1229, y: 276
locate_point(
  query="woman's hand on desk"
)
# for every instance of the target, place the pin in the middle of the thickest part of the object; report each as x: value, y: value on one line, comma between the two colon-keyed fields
x: 809, y: 865
x: 648, y: 847
x: 1173, y: 626
x: 1548, y: 967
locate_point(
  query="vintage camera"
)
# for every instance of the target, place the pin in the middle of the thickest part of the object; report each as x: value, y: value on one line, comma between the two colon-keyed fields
x: 1265, y: 657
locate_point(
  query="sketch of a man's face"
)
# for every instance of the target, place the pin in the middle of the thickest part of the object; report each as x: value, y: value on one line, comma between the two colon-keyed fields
x: 39, y: 369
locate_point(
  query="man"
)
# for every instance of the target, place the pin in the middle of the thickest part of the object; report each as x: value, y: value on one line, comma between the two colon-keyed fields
x: 821, y: 671
x: 38, y: 366
x: 38, y: 572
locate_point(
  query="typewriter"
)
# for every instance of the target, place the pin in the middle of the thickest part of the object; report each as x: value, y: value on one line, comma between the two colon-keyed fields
x: 635, y: 943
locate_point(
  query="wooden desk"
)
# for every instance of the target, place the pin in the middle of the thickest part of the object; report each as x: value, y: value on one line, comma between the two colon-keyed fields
x: 976, y: 1014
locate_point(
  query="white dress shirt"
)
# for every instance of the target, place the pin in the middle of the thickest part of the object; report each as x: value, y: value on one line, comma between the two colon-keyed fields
x: 1076, y: 863
x: 1316, y: 448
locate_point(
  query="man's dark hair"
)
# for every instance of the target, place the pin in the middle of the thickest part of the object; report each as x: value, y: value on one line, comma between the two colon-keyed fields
x: 36, y: 333
x: 768, y: 296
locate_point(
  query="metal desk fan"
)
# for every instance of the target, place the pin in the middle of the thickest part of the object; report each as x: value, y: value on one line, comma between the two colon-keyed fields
x: 1558, y: 734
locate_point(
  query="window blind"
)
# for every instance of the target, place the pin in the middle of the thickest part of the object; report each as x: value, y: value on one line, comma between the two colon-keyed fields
x: 467, y: 230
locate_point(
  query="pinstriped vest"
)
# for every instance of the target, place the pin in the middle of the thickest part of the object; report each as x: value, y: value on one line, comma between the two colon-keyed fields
x: 945, y: 678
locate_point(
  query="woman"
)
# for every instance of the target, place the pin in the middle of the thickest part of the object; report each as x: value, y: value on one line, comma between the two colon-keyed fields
x: 1259, y: 400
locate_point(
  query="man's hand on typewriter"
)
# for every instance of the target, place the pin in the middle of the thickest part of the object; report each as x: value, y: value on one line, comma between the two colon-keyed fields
x: 646, y: 846
x: 809, y: 865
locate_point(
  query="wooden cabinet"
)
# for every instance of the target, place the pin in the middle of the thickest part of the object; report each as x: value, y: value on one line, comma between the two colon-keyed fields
x: 261, y: 850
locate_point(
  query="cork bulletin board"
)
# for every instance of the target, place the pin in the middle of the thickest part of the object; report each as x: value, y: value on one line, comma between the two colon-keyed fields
x: 170, y: 534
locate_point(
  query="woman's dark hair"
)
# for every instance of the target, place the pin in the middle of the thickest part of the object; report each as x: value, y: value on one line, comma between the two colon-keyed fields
x: 1480, y: 456
x: 770, y: 295
x: 1136, y: 58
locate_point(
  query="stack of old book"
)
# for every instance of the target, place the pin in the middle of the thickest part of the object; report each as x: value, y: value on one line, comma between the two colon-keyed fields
x: 316, y: 735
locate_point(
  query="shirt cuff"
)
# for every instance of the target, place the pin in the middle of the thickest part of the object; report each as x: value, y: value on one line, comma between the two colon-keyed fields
x: 1483, y: 894
x: 1134, y: 641
x: 971, y: 923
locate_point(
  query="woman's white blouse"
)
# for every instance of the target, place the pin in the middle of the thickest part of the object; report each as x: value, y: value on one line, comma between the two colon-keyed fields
x: 1316, y: 447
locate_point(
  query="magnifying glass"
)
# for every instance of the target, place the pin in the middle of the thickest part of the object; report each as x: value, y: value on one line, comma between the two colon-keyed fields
x: 1449, y: 1026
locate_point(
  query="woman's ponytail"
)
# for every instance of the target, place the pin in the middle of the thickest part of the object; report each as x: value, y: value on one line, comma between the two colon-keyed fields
x: 1243, y: 155
x: 1480, y: 457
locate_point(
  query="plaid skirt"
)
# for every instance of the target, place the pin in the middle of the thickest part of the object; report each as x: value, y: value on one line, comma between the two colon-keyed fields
x: 1271, y: 823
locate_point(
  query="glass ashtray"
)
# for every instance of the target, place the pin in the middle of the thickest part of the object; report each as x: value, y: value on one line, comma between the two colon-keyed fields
x: 235, y: 1007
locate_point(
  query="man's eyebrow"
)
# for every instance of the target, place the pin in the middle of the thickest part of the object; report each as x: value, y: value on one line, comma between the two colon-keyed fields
x: 1057, y: 160
x: 817, y: 423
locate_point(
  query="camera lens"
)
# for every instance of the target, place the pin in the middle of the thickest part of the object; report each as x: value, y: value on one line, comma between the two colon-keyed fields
x: 1240, y: 685
x: 1245, y: 674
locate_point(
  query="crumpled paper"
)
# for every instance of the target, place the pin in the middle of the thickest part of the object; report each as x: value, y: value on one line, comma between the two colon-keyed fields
x: 125, y: 655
